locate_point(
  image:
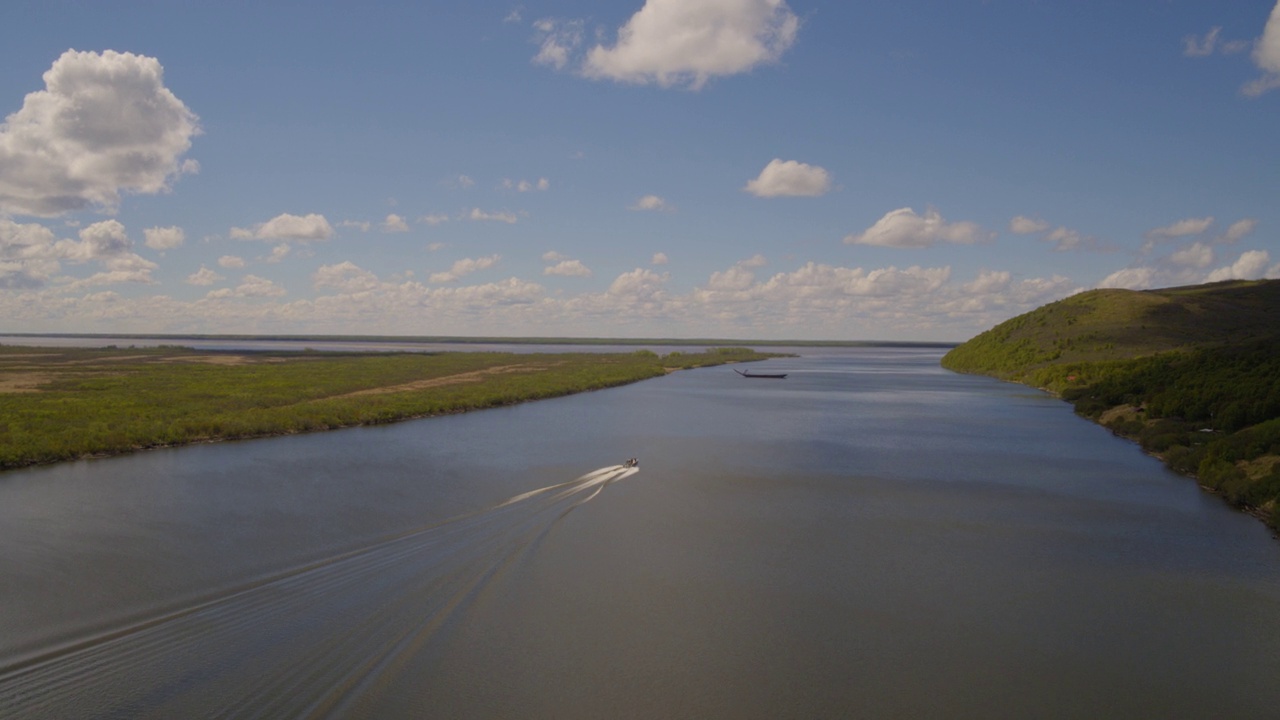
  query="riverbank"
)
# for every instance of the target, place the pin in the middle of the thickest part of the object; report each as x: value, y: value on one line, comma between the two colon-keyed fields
x: 60, y: 404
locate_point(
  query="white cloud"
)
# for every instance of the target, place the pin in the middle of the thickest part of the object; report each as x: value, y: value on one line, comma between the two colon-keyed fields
x: 989, y: 281
x: 1194, y: 46
x: 541, y: 184
x: 394, y: 224
x: 27, y: 255
x: 464, y: 267
x: 361, y: 225
x: 279, y: 252
x: 503, y: 216
x: 1065, y: 239
x: 303, y: 228
x: 568, y: 268
x: 514, y: 16
x: 659, y: 259
x: 1266, y: 55
x: 433, y: 219
x: 1023, y: 225
x: 231, y: 261
x: 1181, y: 228
x: 903, y: 228
x: 104, y: 124
x: 553, y: 256
x: 251, y: 286
x: 557, y: 41
x: 639, y: 285
x: 789, y: 178
x: 435, y: 246
x: 650, y: 202
x: 1139, y: 278
x: 1238, y: 230
x: 1251, y: 265
x: 203, y: 276
x: 754, y: 261
x: 164, y: 238
x: 689, y: 42
x: 1197, y: 255
x: 346, y: 277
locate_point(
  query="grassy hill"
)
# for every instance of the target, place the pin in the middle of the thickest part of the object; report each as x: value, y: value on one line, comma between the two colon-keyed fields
x: 1191, y: 373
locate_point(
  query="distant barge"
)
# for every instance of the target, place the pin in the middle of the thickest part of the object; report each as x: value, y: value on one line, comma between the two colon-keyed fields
x: 770, y: 376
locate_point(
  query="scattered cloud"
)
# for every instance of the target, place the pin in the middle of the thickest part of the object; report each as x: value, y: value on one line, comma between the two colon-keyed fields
x: 541, y: 184
x: 433, y: 219
x: 464, y: 267
x: 251, y: 286
x: 557, y: 41
x: 659, y: 259
x: 686, y: 43
x: 1181, y: 228
x: 1138, y: 278
x: 203, y: 276
x: 503, y: 216
x: 515, y: 15
x: 1023, y: 225
x: 1238, y: 230
x: 394, y: 224
x: 651, y: 203
x: 302, y: 228
x: 1251, y: 265
x: 231, y: 262
x: 104, y: 124
x: 361, y: 225
x: 279, y: 252
x: 1266, y: 55
x: 568, y: 268
x: 1195, y: 46
x: 903, y: 228
x: 789, y: 178
x: 164, y: 238
x: 1197, y: 255
x: 344, y: 276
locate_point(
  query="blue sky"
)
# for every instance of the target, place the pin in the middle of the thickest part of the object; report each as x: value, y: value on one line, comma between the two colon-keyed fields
x: 896, y: 170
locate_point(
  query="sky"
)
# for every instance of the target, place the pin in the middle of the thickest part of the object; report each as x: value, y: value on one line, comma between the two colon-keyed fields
x: 753, y: 169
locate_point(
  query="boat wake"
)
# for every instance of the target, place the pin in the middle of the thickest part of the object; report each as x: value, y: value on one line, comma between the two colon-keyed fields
x: 319, y: 640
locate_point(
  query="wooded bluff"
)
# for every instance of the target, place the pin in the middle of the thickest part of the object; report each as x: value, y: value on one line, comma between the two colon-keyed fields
x: 1191, y: 373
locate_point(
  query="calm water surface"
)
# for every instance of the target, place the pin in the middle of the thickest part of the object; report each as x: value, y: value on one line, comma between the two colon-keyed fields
x: 871, y: 537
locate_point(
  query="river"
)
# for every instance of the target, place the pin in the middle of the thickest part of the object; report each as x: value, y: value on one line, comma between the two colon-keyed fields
x: 871, y: 537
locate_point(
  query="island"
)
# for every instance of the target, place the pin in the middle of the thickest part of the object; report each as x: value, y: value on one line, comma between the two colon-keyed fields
x: 1190, y: 373
x: 67, y: 403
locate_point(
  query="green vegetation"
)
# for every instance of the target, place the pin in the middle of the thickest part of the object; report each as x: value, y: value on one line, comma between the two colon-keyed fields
x: 60, y: 404
x: 1192, y: 374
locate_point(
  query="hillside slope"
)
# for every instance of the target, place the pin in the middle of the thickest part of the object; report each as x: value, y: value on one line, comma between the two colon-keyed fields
x: 1191, y: 373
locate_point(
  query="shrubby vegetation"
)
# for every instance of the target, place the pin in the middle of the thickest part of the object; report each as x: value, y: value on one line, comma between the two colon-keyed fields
x: 1192, y: 374
x: 58, y: 404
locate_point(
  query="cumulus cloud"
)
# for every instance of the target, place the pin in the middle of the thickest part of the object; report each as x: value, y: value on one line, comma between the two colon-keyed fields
x: 251, y: 286
x: 27, y: 255
x: 1139, y: 278
x: 203, y: 276
x: 650, y: 203
x: 541, y: 184
x: 687, y: 42
x: 302, y: 228
x: 639, y: 284
x: 789, y: 178
x: 903, y: 228
x: 659, y: 259
x: 568, y: 268
x: 164, y: 238
x: 231, y: 261
x: 1238, y: 229
x: 346, y: 277
x: 105, y: 124
x: 394, y: 224
x: 433, y: 219
x: 1023, y: 225
x: 503, y: 216
x: 279, y: 252
x: 464, y: 267
x: 1197, y: 255
x: 1266, y: 55
x: 1251, y: 265
x: 361, y: 225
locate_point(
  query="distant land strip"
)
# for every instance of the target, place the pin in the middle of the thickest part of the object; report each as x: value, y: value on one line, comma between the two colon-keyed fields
x: 496, y: 340
x: 66, y: 403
